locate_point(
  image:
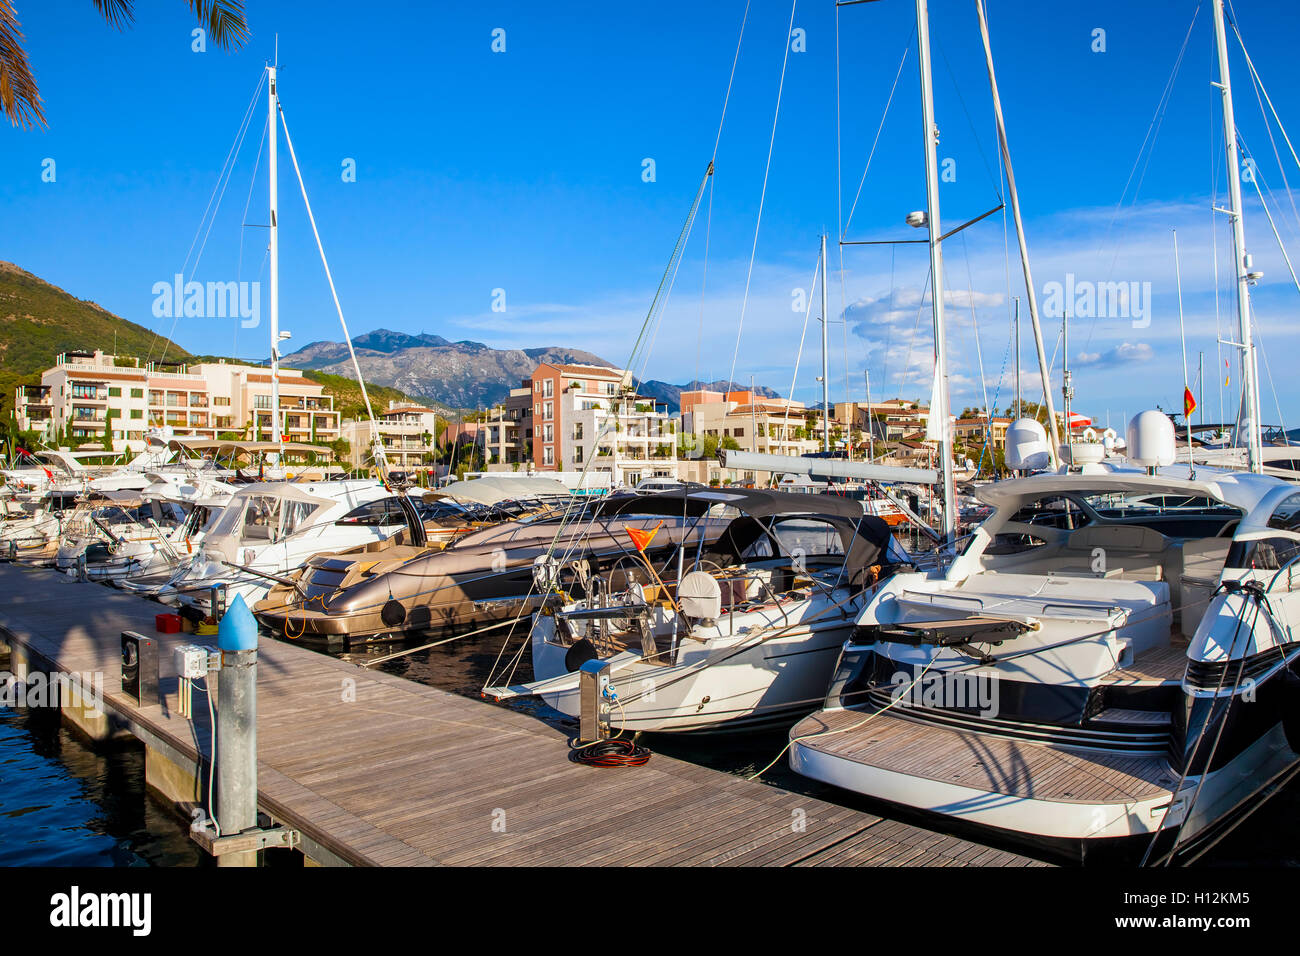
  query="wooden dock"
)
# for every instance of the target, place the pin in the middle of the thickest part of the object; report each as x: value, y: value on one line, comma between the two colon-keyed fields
x: 373, y: 769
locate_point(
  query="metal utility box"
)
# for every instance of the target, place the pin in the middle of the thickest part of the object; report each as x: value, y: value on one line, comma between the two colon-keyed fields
x: 140, y: 668
x: 593, y: 688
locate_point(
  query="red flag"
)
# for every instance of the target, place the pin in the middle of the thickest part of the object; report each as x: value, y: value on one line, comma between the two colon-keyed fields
x: 1189, y: 403
x: 641, y: 538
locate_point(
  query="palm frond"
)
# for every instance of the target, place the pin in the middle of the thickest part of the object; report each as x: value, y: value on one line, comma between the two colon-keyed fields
x: 224, y: 20
x: 117, y: 13
x: 20, y: 100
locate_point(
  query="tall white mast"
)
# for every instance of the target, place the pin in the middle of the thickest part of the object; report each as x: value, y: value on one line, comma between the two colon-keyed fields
x: 272, y: 103
x: 826, y: 386
x: 1249, y: 376
x: 1014, y: 197
x: 940, y: 398
x: 1017, y: 412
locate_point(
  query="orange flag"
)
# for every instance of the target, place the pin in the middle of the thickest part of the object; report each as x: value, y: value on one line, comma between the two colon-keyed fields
x: 642, y: 538
x: 1189, y: 403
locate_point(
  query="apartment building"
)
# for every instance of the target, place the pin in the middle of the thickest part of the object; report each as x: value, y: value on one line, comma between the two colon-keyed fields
x: 775, y: 426
x: 576, y: 417
x: 408, y: 433
x: 508, y: 431
x: 94, y: 393
x: 976, y: 432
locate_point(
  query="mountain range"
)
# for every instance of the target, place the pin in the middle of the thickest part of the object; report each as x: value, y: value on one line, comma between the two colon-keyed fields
x: 38, y: 320
x: 462, y: 374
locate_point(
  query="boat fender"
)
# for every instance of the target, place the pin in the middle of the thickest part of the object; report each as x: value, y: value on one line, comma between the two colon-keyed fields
x: 581, y: 652
x: 392, y: 613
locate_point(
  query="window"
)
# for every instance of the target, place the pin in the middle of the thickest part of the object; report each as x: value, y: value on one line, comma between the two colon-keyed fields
x: 1263, y: 554
x: 1053, y: 512
x: 383, y: 513
x: 1286, y: 516
x: 549, y: 388
x: 808, y: 537
x: 262, y: 401
x: 548, y: 455
x: 577, y: 431
x: 550, y: 433
x: 137, y: 393
x: 137, y: 413
x: 550, y: 410
x: 221, y: 400
x: 296, y: 515
x: 262, y: 518
x: 537, y: 410
x: 114, y: 392
x: 83, y: 391
x: 740, y: 433
x: 577, y: 454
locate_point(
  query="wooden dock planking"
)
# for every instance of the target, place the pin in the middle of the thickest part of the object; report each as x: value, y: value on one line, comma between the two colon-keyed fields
x: 409, y: 775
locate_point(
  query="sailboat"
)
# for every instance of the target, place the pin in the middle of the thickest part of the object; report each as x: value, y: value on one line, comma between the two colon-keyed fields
x: 270, y: 528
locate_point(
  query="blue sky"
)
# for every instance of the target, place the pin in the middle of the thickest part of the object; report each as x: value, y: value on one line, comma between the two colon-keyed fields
x: 522, y: 171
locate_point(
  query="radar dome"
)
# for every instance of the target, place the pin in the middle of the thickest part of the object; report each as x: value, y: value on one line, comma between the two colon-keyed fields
x: 1151, y: 440
x: 1027, y: 447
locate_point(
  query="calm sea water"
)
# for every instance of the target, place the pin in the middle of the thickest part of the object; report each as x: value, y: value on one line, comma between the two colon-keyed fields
x: 63, y: 804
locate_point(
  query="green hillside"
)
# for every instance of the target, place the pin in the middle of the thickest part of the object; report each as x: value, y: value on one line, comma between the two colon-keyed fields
x: 39, y: 320
x: 347, y: 395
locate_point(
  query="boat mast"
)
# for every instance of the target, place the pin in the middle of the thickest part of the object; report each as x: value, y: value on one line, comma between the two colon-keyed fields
x: 1249, y: 377
x: 1067, y: 390
x: 931, y: 138
x: 826, y: 385
x: 1014, y: 197
x: 1017, y: 412
x: 272, y: 102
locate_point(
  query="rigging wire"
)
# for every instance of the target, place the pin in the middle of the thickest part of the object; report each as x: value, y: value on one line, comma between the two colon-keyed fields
x: 708, y: 223
x: 243, y: 227
x: 807, y: 312
x: 376, y: 445
x: 1152, y: 134
x: 879, y: 129
x: 216, y: 196
x: 1259, y: 89
x: 762, y: 199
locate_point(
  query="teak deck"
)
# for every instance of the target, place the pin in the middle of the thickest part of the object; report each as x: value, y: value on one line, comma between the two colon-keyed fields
x: 983, y: 761
x: 406, y: 774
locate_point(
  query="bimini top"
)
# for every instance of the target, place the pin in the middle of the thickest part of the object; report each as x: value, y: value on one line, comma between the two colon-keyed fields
x: 227, y: 449
x: 128, y: 498
x: 753, y: 502
x: 494, y: 489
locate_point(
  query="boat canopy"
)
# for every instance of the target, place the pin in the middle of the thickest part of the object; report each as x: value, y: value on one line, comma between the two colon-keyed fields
x: 865, y: 539
x: 494, y: 489
x: 1241, y: 490
x: 753, y: 502
x: 239, y: 449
